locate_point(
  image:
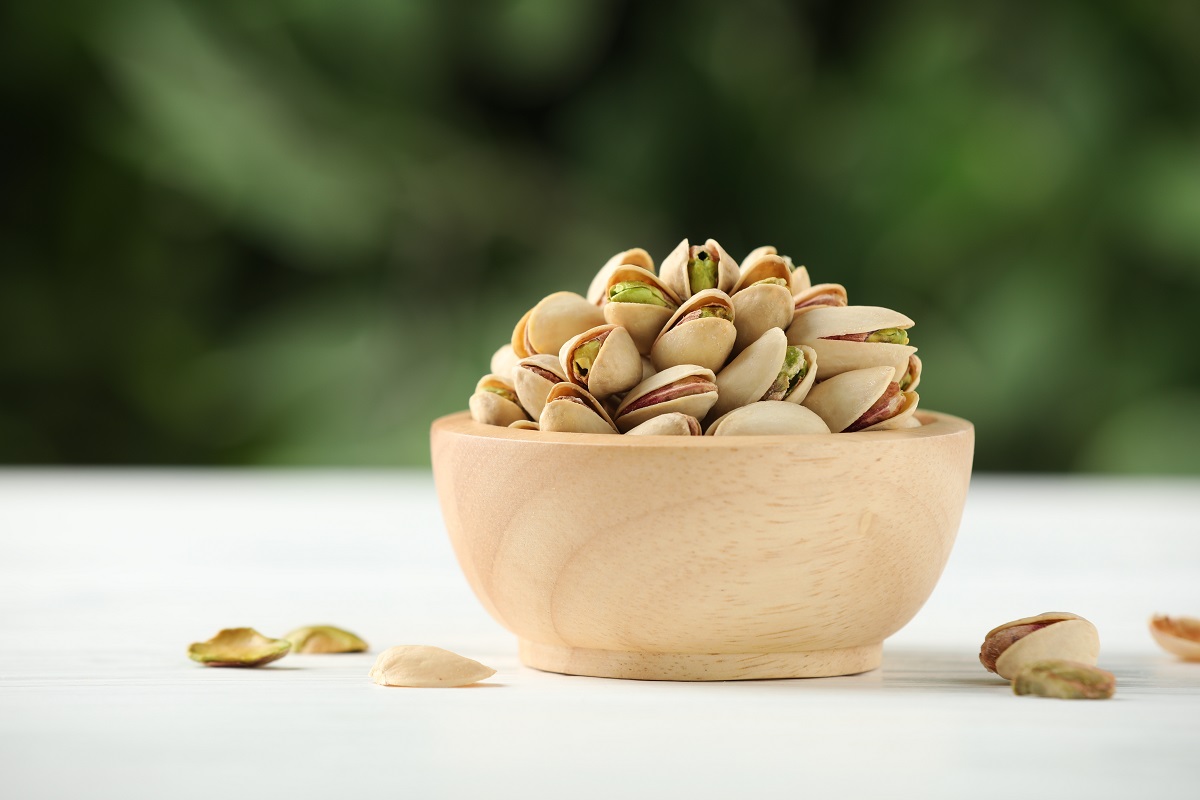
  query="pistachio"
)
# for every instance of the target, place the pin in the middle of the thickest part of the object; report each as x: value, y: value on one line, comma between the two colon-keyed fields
x: 1067, y: 680
x: 670, y: 424
x: 238, y: 647
x: 502, y: 391
x: 690, y: 269
x: 637, y: 292
x: 795, y: 367
x: 767, y: 419
x: 495, y: 402
x: 324, y: 639
x: 1057, y: 634
x: 425, y: 667
x: 1178, y: 635
x: 702, y: 269
x: 887, y: 335
x: 585, y: 354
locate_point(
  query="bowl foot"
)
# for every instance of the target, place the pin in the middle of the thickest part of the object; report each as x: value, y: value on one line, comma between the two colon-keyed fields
x: 699, y: 666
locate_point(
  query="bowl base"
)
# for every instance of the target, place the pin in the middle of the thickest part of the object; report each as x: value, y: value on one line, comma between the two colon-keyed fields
x: 699, y: 666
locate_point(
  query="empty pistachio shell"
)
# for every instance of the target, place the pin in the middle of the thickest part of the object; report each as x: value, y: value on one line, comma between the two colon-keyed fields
x: 426, y: 667
x: 495, y: 402
x: 767, y: 418
x: 1178, y: 635
x: 238, y: 647
x: 854, y: 337
x: 325, y: 639
x: 1057, y: 634
x: 524, y: 425
x: 570, y: 409
x: 701, y: 332
x: 554, y: 320
x: 603, y: 360
x: 637, y: 257
x: 769, y: 369
x: 849, y: 400
x: 503, y: 361
x: 1065, y: 680
x: 533, y: 378
x: 686, y: 388
x: 672, y: 424
x: 689, y: 269
x: 640, y: 303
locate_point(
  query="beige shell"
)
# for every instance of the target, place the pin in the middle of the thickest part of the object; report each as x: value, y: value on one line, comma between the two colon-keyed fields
x: 503, y: 360
x: 675, y: 275
x: 798, y: 280
x: 531, y: 387
x: 1178, y: 635
x: 672, y: 424
x: 748, y: 376
x: 901, y: 418
x: 570, y: 409
x: 837, y: 355
x: 647, y: 368
x: 757, y: 309
x: 696, y: 405
x: 616, y: 368
x: 554, y: 320
x: 644, y: 322
x: 597, y: 292
x: 842, y: 399
x: 426, y: 667
x: 823, y: 295
x: 492, y: 409
x: 701, y: 342
x: 768, y: 418
x: 1073, y: 639
x: 524, y: 425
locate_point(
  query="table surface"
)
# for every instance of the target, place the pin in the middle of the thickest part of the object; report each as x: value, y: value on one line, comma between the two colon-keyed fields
x: 105, y: 577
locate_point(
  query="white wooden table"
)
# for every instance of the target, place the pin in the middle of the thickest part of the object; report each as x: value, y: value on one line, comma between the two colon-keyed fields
x: 105, y: 577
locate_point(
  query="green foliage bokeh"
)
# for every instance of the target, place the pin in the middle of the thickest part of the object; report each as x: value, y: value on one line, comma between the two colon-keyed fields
x: 294, y: 232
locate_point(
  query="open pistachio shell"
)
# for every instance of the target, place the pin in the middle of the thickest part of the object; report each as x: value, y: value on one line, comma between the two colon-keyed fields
x: 758, y: 308
x: 677, y: 268
x: 1052, y: 635
x: 643, y: 320
x: 839, y: 355
x: 798, y: 279
x: 238, y: 647
x: 750, y: 375
x: 673, y: 424
x: 685, y: 388
x: 842, y: 399
x: 495, y: 402
x: 704, y: 342
x: 552, y: 321
x: 821, y: 295
x: 603, y: 360
x: 570, y: 409
x: 325, y: 639
x: 533, y: 379
x: 912, y: 375
x: 503, y: 360
x: 524, y: 425
x: 901, y: 419
x: 767, y: 418
x: 1178, y: 635
x: 597, y: 292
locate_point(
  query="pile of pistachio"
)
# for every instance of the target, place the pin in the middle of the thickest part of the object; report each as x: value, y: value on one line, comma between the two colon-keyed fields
x: 703, y: 346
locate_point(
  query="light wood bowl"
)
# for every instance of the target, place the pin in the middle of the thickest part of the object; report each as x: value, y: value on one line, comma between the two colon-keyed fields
x: 702, y: 558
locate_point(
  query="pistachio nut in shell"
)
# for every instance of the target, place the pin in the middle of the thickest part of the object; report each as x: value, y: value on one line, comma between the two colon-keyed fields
x: 768, y: 418
x: 570, y: 409
x: 769, y: 369
x: 761, y: 300
x: 495, y: 402
x: 862, y: 399
x: 524, y: 425
x: 685, y: 388
x: 639, y: 303
x: 854, y: 337
x: 239, y: 647
x: 798, y: 279
x: 912, y: 376
x: 422, y: 666
x: 503, y: 361
x: 1054, y: 634
x: 701, y: 332
x: 821, y: 295
x: 325, y: 639
x: 533, y: 378
x: 672, y: 424
x: 1064, y: 679
x: 554, y: 320
x: 1178, y: 635
x: 598, y: 288
x: 603, y: 360
x: 690, y: 269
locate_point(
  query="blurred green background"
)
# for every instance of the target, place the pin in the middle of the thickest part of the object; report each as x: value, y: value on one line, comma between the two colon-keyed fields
x: 294, y: 232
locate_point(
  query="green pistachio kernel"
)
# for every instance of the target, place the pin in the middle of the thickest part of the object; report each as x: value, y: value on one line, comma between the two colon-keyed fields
x: 770, y: 282
x: 795, y: 367
x: 889, y: 336
x: 720, y: 312
x: 637, y: 292
x: 906, y: 381
x: 702, y: 272
x: 584, y: 356
x: 505, y: 393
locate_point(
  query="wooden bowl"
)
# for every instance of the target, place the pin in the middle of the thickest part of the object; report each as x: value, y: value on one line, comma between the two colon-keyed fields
x: 702, y: 558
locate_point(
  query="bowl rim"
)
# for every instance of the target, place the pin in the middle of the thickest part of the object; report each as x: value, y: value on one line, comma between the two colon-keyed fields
x: 934, y: 424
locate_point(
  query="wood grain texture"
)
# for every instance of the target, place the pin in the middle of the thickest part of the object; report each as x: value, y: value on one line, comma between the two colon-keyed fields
x: 702, y: 558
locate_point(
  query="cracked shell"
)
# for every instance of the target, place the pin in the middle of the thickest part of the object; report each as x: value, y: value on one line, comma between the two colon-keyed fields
x: 644, y: 321
x: 798, y: 279
x: 822, y: 295
x: 768, y: 418
x: 1178, y: 635
x: 533, y: 378
x: 570, y: 409
x: 836, y: 356
x: 603, y: 360
x: 912, y: 376
x: 239, y: 647
x: 675, y: 272
x: 761, y: 300
x: 1056, y: 634
x: 750, y: 375
x: 844, y: 400
x: 597, y: 292
x: 672, y: 424
x: 495, y: 402
x: 690, y: 339
x: 554, y: 320
x: 686, y: 388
